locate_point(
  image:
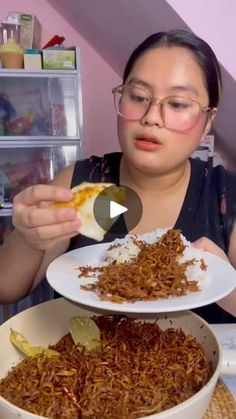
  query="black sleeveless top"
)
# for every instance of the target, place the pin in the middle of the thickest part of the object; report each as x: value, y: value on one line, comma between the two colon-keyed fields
x: 209, y: 209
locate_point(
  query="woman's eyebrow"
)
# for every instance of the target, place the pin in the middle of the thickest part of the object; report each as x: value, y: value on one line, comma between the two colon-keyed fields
x: 185, y: 88
x: 143, y: 83
x: 188, y: 88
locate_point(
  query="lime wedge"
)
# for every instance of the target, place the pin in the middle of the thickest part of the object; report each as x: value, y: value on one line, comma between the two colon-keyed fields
x: 21, y: 343
x: 85, y: 332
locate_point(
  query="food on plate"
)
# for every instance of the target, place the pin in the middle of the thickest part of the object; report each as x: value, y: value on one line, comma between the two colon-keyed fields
x: 138, y: 369
x: 83, y: 201
x: 121, y: 253
x: 138, y: 270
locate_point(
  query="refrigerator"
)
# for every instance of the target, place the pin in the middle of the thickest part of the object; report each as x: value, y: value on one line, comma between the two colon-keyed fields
x: 41, y: 126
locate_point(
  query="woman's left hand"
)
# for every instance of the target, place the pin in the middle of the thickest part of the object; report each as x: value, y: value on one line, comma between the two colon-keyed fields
x: 206, y: 244
x: 228, y: 303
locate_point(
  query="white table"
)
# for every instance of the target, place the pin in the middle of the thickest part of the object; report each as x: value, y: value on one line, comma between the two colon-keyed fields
x: 226, y: 334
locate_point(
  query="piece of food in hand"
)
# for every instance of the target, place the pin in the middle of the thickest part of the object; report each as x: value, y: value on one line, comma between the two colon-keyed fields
x: 83, y: 201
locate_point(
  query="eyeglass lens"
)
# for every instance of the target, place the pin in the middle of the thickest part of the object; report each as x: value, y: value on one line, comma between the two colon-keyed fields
x: 178, y: 112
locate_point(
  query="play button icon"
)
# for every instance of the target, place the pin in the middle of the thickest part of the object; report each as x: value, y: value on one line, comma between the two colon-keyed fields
x: 116, y: 209
x: 116, y: 203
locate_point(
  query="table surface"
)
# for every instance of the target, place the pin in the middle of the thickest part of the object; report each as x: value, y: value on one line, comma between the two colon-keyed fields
x: 226, y: 334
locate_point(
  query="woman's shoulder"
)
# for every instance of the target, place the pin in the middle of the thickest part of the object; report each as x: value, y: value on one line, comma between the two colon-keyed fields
x: 92, y: 169
x: 224, y: 181
x: 217, y: 177
x: 225, y: 174
x: 100, y: 160
x: 97, y: 169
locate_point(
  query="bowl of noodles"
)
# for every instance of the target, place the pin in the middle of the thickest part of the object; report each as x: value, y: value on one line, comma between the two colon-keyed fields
x: 161, y: 367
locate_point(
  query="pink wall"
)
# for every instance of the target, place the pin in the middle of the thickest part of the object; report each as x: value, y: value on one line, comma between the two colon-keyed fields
x: 213, y: 20
x: 98, y: 78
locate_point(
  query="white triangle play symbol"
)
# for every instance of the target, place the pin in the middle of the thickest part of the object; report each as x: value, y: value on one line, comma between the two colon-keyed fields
x: 116, y: 209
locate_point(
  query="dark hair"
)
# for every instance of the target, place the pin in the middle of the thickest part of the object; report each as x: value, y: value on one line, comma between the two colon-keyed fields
x: 203, y: 53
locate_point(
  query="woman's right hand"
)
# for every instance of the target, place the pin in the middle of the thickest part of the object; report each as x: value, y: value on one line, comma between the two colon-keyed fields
x: 41, y: 225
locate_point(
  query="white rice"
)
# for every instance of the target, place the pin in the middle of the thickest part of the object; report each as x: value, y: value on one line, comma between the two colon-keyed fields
x: 122, y: 252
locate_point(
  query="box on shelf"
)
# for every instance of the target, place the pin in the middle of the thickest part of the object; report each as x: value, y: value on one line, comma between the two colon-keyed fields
x: 59, y: 59
x: 32, y: 59
x: 30, y: 31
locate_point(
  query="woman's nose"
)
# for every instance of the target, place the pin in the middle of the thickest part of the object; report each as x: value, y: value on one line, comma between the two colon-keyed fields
x: 153, y: 115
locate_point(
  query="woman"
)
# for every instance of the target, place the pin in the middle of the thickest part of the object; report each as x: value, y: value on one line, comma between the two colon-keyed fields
x: 167, y: 103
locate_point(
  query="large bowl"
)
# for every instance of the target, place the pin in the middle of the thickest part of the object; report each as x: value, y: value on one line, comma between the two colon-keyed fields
x: 47, y: 322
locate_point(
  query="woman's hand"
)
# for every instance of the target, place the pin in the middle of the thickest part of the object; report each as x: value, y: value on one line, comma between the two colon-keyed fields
x: 228, y: 303
x: 41, y: 225
x: 206, y: 244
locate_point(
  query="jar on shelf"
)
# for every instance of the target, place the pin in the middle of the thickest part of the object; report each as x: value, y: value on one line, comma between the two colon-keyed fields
x: 11, y: 54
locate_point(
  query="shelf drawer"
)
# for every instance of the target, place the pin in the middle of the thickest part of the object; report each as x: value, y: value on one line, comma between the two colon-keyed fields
x: 31, y: 165
x: 40, y: 106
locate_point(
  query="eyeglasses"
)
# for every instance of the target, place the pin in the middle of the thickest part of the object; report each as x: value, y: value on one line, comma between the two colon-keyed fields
x: 179, y: 113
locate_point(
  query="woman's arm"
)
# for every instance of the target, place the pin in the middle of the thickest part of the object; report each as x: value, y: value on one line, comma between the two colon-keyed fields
x: 232, y: 248
x: 41, y: 233
x: 228, y: 303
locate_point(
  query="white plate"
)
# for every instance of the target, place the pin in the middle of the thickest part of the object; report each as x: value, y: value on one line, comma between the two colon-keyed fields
x: 63, y: 278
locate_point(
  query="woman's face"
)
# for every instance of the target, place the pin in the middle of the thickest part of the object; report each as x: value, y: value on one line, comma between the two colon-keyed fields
x: 147, y: 144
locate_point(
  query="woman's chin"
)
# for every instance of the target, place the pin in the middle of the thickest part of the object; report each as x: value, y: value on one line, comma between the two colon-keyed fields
x: 146, y: 162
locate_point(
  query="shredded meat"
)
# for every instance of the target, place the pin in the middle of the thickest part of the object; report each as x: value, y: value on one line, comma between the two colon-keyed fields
x: 139, y: 370
x: 155, y: 273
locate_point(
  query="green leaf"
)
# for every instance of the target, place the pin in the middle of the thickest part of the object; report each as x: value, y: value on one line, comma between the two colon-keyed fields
x: 85, y: 332
x: 21, y: 343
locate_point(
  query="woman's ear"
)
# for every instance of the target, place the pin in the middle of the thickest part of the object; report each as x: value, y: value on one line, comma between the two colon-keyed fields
x: 211, y: 117
x: 213, y: 114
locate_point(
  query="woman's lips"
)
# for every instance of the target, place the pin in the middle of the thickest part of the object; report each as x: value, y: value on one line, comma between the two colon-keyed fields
x: 147, y: 143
